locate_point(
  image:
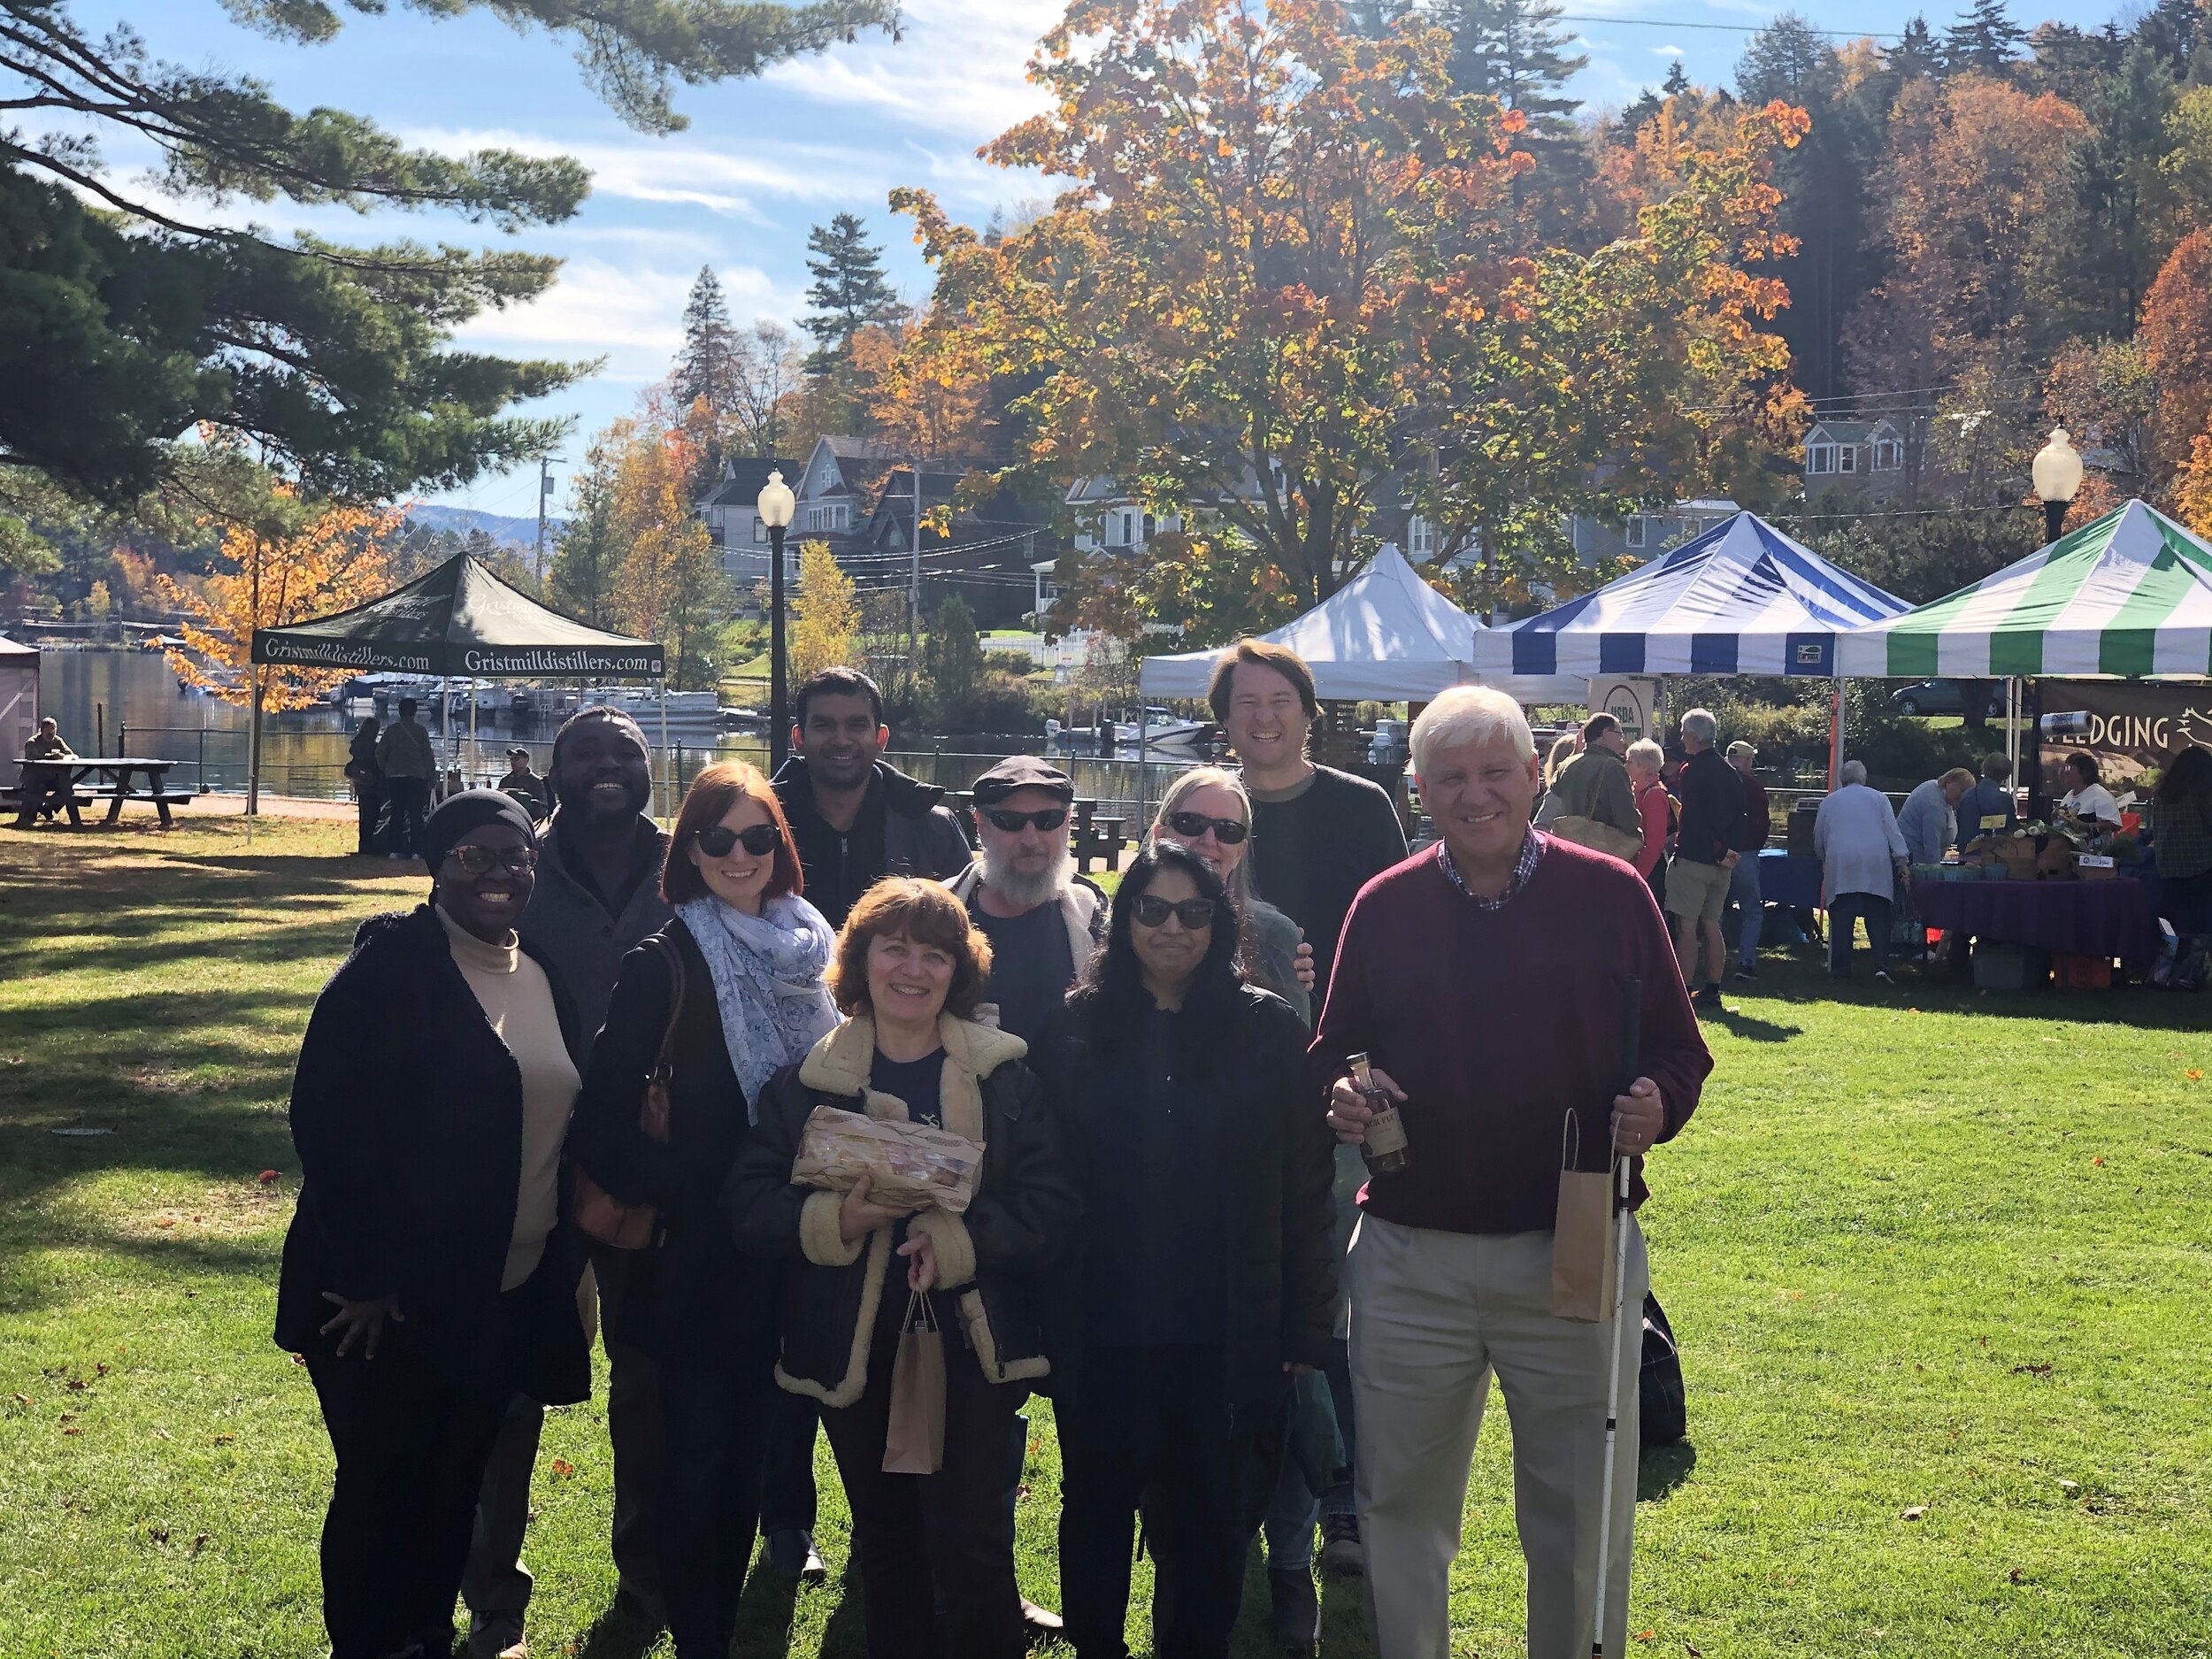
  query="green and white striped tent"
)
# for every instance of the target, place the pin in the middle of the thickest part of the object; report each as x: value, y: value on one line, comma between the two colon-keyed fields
x: 2129, y: 595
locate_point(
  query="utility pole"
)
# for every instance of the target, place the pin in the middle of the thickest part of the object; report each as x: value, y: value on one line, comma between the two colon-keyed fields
x: 914, y: 587
x: 545, y: 488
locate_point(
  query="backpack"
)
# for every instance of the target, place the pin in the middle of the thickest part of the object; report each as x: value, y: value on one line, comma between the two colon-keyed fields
x: 1663, y: 1407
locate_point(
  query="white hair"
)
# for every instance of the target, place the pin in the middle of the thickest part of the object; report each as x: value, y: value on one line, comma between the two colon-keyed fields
x: 1026, y: 891
x: 1189, y: 784
x: 1700, y: 724
x: 1852, y: 772
x: 1469, y: 714
x: 1647, y: 754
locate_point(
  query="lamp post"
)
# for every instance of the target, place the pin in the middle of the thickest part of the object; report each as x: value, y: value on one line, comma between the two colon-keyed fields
x: 2057, y: 472
x: 776, y: 506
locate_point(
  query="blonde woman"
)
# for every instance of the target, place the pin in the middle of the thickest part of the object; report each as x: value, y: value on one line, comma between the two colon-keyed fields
x: 1207, y: 810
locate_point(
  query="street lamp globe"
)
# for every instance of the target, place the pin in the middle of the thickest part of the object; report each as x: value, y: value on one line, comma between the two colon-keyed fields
x: 777, y: 503
x: 2057, y: 473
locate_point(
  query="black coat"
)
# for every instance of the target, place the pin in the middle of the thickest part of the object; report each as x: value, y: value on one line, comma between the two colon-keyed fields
x: 1279, y: 1218
x: 710, y: 1304
x: 995, y: 1263
x: 407, y: 1114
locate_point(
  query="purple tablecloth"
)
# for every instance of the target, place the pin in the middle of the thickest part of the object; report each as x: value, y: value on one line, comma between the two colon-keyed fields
x: 1788, y: 880
x: 2084, y: 919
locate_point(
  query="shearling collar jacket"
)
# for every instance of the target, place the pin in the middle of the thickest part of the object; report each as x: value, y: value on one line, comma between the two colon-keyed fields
x: 1082, y: 909
x: 992, y: 1262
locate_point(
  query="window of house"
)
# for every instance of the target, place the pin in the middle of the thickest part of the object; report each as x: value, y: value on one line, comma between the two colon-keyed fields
x: 1889, y: 456
x: 1150, y: 528
x: 1848, y: 459
x: 1636, y: 529
x: 1420, y: 538
x: 760, y: 532
x: 1820, y: 458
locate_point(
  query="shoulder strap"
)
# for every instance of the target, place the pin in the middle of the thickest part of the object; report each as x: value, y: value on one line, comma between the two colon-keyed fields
x: 676, y: 991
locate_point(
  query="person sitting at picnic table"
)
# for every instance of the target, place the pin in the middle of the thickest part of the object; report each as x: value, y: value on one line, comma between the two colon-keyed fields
x: 1862, y: 864
x: 2088, y: 802
x: 430, y: 1273
x: 1990, y: 798
x: 908, y: 973
x: 525, y: 785
x: 45, y: 789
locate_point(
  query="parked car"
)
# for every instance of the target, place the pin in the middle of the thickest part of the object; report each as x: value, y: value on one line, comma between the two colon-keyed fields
x: 1941, y: 696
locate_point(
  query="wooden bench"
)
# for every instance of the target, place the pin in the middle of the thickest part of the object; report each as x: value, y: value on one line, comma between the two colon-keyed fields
x: 161, y: 800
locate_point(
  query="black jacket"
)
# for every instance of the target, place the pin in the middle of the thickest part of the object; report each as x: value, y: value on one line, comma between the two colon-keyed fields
x: 1281, y: 1277
x: 710, y: 1304
x: 1712, y: 809
x: 407, y: 1114
x: 994, y: 1262
x: 904, y: 828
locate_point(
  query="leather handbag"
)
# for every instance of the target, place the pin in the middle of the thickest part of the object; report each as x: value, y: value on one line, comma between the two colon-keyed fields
x: 1597, y: 834
x: 599, y: 1212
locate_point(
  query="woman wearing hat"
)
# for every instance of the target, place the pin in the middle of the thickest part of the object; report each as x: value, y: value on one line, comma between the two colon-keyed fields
x: 429, y: 1277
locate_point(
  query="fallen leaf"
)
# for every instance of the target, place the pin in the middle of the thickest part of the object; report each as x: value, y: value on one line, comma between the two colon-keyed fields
x: 2069, y: 1485
x: 73, y: 1429
x: 1646, y: 1635
x: 158, y: 1533
x: 197, y: 1220
x: 165, y: 1221
x: 2016, y: 1576
x: 2039, y: 1368
x: 564, y: 1468
x: 77, y: 1385
x: 199, y: 1542
x: 2098, y: 1162
x: 266, y: 1176
x: 1915, y: 1512
x: 1694, y: 1653
x: 224, y: 1438
x: 24, y: 1399
x: 100, y: 1368
x: 2194, y: 1074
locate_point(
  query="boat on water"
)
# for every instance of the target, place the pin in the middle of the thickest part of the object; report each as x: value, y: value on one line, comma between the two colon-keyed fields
x: 1161, y: 730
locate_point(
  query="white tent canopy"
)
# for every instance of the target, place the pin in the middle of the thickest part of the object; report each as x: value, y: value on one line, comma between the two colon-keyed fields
x: 1385, y: 636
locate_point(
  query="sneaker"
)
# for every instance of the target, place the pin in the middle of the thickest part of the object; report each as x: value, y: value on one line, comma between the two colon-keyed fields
x: 1294, y: 1614
x: 498, y: 1636
x: 1708, y: 1000
x: 1342, y: 1556
x: 1881, y: 977
x: 1745, y: 971
x: 790, y: 1554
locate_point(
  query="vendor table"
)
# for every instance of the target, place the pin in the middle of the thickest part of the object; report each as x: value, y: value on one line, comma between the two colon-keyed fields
x: 1789, y: 880
x: 2082, y: 918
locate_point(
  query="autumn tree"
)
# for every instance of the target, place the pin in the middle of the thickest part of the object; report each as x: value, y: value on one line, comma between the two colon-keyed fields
x: 668, y: 584
x: 580, y: 581
x: 2177, y: 345
x: 824, y: 614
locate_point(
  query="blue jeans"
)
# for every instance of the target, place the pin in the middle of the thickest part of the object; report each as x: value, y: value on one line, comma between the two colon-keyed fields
x: 1743, y: 889
x: 1293, y: 1512
x: 1846, y: 909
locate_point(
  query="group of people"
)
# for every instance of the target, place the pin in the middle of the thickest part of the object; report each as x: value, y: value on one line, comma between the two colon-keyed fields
x: 617, y: 1036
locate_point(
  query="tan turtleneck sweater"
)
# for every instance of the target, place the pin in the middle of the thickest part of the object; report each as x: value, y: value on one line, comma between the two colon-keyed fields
x: 515, y: 997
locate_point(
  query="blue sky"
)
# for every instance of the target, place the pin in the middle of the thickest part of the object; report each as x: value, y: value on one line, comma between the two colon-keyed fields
x: 763, y: 160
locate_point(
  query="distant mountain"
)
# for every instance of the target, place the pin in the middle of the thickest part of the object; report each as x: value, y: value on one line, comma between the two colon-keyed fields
x: 521, y: 533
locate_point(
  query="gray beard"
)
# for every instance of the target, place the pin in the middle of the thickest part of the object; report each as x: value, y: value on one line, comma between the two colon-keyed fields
x: 1026, y: 891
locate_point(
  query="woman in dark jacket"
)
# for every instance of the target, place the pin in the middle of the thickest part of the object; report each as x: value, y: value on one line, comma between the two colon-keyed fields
x: 367, y: 779
x: 430, y: 1273
x: 751, y: 952
x: 1204, y: 1276
x: 910, y: 969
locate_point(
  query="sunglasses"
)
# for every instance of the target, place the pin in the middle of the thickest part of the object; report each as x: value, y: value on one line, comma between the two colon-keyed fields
x: 1195, y: 914
x: 760, y: 839
x: 1012, y: 822
x: 1227, y: 831
x: 480, y: 861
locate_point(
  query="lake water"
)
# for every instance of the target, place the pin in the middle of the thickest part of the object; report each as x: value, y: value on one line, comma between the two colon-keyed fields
x: 126, y: 701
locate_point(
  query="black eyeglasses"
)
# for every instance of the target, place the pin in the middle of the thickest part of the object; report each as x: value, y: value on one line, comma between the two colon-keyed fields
x: 1227, y: 831
x: 478, y: 861
x: 759, y: 840
x: 1012, y: 822
x: 1195, y: 914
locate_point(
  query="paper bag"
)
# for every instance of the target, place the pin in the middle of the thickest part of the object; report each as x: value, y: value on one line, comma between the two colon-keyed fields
x: 914, y: 1439
x: 1582, y: 1235
x: 908, y: 1165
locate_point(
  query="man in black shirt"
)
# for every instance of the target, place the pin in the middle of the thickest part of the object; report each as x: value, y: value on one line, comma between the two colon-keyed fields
x: 1705, y: 855
x: 855, y: 818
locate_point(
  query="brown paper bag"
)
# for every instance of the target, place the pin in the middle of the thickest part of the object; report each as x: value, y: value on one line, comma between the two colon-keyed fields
x: 914, y: 1439
x: 1582, y: 1235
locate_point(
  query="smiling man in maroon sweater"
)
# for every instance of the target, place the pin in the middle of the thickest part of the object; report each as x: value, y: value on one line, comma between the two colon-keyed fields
x: 1484, y: 975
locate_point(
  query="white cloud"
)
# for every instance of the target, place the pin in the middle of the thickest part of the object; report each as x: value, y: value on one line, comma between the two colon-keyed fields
x: 1667, y: 51
x: 630, y: 314
x: 960, y: 68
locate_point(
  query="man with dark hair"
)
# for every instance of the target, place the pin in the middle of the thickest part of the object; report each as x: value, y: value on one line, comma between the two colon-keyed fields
x: 1989, y: 806
x: 1593, y: 789
x: 1743, y: 880
x: 856, y: 819
x: 597, y: 896
x: 407, y: 763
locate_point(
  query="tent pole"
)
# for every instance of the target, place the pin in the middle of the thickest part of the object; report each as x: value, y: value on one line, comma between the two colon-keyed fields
x: 253, y: 757
x: 1835, y: 740
x: 2012, y: 726
x: 473, y: 762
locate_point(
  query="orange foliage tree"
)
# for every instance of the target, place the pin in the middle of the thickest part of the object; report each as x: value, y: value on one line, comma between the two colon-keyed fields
x: 290, y: 562
x: 2176, y: 335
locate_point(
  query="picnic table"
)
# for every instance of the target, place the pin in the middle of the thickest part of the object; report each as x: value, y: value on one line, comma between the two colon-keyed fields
x: 1097, y: 837
x: 70, y: 774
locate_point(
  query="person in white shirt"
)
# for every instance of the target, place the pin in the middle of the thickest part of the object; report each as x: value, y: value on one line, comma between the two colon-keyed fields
x: 1861, y: 853
x: 2087, y: 802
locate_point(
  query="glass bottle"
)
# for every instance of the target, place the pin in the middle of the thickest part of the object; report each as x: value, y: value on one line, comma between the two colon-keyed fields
x: 1386, y: 1146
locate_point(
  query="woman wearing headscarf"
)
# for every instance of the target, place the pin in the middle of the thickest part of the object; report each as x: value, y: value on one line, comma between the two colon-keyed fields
x: 1204, y: 1275
x: 429, y: 1274
x: 748, y: 953
x: 910, y: 970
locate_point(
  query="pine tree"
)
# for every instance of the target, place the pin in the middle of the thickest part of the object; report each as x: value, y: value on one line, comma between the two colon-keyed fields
x: 1678, y: 80
x: 1516, y: 51
x: 1984, y: 39
x: 850, y: 290
x: 706, y: 368
x: 1916, y: 54
x: 952, y: 659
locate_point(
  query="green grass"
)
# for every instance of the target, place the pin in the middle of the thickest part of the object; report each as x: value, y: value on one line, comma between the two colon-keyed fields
x: 1931, y: 1251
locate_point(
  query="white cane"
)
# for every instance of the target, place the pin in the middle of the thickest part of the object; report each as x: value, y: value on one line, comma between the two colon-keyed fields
x: 1632, y: 1010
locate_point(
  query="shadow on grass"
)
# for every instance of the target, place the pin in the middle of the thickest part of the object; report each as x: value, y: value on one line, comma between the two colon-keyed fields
x: 617, y: 1634
x: 1663, y: 1468
x: 1753, y: 1029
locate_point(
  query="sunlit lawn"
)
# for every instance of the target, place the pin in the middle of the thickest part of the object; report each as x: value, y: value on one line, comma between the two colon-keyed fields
x: 1937, y: 1261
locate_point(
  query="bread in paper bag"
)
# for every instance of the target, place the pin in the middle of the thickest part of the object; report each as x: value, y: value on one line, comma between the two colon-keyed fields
x: 910, y: 1166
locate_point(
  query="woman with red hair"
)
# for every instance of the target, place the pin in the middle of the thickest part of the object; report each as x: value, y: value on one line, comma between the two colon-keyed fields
x: 710, y: 1007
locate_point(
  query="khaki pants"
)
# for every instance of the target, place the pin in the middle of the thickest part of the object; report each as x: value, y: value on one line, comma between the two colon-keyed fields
x: 1433, y: 1315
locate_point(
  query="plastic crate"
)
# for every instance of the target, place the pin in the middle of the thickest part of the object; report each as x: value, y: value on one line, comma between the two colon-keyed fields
x: 2002, y: 967
x: 2082, y: 973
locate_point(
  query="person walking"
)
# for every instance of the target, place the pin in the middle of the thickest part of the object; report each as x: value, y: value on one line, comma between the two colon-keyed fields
x: 1863, y: 859
x: 1988, y: 807
x: 1590, y: 800
x: 1484, y: 978
x: 749, y: 953
x: 908, y: 971
x: 597, y: 896
x: 2181, y: 841
x: 407, y: 762
x: 430, y: 1273
x: 367, y: 779
x: 1743, y: 879
x: 1705, y: 856
x: 1205, y: 1273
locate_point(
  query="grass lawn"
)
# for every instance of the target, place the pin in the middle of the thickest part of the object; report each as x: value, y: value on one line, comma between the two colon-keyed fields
x: 1937, y: 1261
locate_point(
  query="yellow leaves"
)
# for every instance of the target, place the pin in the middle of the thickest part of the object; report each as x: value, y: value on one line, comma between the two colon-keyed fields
x: 824, y: 614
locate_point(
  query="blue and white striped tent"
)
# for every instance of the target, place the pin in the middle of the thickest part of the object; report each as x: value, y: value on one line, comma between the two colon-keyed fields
x: 1742, y: 598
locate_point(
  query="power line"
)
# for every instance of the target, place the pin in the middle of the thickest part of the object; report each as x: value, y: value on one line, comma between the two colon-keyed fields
x: 1725, y: 28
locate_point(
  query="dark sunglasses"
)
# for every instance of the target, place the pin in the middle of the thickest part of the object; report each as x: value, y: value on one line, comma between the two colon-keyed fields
x: 1195, y: 914
x: 1227, y: 831
x: 759, y: 840
x: 479, y: 861
x: 1050, y: 818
